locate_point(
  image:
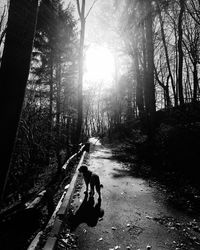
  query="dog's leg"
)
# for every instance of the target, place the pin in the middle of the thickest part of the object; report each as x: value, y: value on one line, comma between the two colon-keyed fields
x: 86, y: 191
x: 98, y: 188
x: 91, y: 188
x: 86, y: 184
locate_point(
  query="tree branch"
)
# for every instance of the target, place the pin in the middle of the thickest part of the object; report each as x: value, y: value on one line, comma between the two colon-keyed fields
x: 78, y: 8
x: 90, y: 8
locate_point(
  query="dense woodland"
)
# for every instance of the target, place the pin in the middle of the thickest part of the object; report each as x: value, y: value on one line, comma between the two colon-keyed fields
x: 152, y: 103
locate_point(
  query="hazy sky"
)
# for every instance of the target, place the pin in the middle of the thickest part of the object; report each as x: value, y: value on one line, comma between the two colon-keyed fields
x: 98, y: 38
x: 94, y: 30
x: 88, y: 5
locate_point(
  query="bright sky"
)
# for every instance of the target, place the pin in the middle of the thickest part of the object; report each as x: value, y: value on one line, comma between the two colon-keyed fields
x: 99, y: 64
x: 99, y: 61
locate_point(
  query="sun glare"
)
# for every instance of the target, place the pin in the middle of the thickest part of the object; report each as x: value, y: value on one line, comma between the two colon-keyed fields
x: 99, y: 65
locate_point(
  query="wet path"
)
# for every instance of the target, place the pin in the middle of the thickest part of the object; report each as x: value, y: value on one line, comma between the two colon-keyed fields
x: 134, y: 214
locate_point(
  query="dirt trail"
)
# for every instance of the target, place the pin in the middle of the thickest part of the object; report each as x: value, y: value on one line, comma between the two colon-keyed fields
x: 132, y: 214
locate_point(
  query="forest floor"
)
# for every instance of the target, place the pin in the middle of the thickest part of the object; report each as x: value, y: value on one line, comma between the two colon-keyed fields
x: 135, y: 212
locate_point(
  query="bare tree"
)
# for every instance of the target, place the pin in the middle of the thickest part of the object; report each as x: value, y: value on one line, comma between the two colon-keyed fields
x: 180, y: 52
x: 81, y: 12
x: 83, y: 16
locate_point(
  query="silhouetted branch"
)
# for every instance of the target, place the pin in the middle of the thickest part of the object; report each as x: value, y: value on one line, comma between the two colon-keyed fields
x: 90, y: 8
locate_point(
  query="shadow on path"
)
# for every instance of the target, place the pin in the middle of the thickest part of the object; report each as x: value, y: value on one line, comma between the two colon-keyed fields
x: 88, y: 213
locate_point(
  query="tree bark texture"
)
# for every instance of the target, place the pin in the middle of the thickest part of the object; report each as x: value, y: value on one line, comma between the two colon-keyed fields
x: 14, y: 73
x: 167, y: 60
x: 139, y: 86
x: 180, y: 52
x: 81, y: 12
x: 151, y: 108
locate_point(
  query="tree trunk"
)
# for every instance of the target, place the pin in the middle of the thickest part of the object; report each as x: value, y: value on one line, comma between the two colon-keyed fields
x: 195, y: 82
x: 51, y: 94
x: 14, y: 73
x: 151, y: 108
x: 167, y: 60
x: 139, y: 87
x: 145, y: 76
x: 130, y: 112
x: 58, y: 92
x: 180, y: 53
x: 81, y: 12
x: 149, y: 89
x: 165, y: 89
x: 58, y: 102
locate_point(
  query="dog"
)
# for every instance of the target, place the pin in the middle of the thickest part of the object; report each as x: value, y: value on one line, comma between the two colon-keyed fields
x: 92, y: 179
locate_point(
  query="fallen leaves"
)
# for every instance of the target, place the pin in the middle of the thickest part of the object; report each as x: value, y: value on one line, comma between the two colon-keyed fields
x: 115, y: 248
x: 189, y: 230
x: 66, y: 241
x: 149, y: 217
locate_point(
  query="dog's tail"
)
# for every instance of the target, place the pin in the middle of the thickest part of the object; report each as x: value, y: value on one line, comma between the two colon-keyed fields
x: 101, y: 185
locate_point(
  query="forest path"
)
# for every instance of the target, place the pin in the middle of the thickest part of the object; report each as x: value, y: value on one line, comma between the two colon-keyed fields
x: 132, y: 214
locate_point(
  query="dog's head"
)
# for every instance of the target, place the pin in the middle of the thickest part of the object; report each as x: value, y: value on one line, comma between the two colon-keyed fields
x: 83, y: 169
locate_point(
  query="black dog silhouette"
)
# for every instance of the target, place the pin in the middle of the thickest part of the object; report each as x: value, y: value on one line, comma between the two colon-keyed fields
x: 88, y: 213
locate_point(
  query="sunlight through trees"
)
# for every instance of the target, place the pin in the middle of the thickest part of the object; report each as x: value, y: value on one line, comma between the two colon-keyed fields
x: 103, y: 68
